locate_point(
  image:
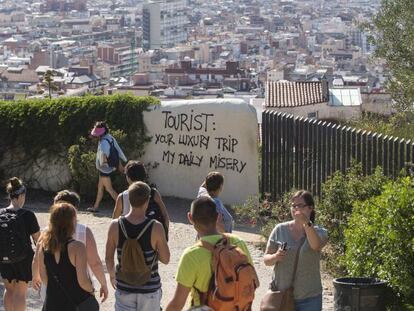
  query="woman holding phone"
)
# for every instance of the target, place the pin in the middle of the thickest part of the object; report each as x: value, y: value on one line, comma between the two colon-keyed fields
x: 303, y: 238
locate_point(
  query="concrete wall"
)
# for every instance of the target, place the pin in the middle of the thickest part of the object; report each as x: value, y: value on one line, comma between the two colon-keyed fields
x: 191, y: 138
x: 343, y: 113
x: 380, y: 103
x: 49, y: 173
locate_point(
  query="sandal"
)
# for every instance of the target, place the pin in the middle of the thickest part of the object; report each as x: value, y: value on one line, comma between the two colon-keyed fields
x: 92, y: 210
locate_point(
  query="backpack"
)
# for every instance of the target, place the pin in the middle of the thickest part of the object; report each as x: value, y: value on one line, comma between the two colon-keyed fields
x: 113, y: 158
x: 154, y: 211
x: 13, y: 237
x: 234, y: 279
x: 133, y: 269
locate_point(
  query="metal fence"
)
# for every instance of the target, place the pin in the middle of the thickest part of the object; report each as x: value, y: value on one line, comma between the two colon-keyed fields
x: 302, y: 153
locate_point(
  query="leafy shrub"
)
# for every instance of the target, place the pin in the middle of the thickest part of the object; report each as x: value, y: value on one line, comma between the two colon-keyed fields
x: 81, y: 159
x: 264, y: 214
x: 339, y: 193
x: 54, y: 125
x: 380, y: 238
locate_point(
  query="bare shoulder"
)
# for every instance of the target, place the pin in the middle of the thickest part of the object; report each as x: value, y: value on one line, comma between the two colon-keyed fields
x: 76, y: 246
x: 157, y: 227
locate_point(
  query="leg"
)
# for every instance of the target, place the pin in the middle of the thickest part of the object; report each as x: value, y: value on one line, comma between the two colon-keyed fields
x: 121, y: 168
x: 125, y: 301
x: 8, y: 295
x: 99, y: 194
x: 20, y: 296
x: 150, y: 301
x: 107, y: 183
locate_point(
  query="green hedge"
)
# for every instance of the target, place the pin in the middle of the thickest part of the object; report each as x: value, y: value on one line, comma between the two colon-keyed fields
x: 55, y: 125
x: 380, y: 240
x: 339, y: 194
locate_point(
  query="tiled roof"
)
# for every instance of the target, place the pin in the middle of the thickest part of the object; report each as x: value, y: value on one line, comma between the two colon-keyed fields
x: 26, y: 75
x: 294, y: 94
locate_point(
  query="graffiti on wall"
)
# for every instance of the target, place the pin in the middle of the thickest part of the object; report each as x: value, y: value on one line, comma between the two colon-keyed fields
x: 191, y: 139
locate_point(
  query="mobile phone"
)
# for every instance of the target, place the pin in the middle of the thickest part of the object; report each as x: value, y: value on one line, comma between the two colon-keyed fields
x: 284, y: 246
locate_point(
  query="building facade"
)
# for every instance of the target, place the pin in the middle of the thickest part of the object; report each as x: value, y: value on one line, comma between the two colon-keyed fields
x: 164, y: 23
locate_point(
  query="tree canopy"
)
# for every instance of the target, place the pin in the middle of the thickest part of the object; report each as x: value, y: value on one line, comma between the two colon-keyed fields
x: 393, y: 34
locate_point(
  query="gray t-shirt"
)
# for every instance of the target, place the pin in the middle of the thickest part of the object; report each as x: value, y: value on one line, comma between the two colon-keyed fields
x: 307, y: 282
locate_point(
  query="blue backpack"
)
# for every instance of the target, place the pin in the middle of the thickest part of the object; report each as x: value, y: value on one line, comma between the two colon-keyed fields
x: 113, y: 159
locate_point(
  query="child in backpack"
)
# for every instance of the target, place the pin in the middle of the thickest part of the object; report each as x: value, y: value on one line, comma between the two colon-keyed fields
x: 213, y: 187
x: 103, y: 162
x: 135, y: 171
x: 130, y: 294
x: 16, y: 270
x: 194, y: 269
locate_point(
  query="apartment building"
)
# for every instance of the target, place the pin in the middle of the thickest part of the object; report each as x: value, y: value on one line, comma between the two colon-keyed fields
x: 164, y: 23
x: 118, y: 60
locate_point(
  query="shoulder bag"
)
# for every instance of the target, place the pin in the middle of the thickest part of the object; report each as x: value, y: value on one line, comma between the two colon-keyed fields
x: 277, y: 300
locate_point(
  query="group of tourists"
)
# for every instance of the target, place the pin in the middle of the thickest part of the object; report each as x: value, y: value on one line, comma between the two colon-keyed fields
x: 215, y: 273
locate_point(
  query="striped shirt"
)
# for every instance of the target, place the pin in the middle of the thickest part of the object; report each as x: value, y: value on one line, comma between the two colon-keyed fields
x: 145, y: 241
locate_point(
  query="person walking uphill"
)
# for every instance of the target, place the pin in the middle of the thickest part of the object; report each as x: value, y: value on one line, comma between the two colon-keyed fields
x: 301, y: 238
x: 224, y: 256
x: 108, y: 158
x: 63, y: 266
x: 140, y: 243
x: 17, y: 226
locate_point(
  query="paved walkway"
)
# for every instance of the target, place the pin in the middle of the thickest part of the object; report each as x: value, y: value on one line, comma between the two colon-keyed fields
x: 182, y: 235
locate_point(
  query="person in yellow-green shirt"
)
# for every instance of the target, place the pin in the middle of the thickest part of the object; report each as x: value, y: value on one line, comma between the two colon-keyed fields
x: 194, y: 269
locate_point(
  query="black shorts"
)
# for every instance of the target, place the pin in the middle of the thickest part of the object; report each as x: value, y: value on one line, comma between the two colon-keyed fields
x: 19, y: 271
x: 106, y: 174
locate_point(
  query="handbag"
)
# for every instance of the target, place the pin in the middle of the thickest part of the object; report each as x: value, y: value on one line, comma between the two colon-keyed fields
x: 281, y: 300
x: 89, y: 304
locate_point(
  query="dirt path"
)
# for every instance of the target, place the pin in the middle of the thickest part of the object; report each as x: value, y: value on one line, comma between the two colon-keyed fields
x: 181, y: 236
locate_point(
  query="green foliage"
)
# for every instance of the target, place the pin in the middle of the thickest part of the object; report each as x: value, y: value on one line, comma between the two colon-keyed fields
x: 339, y: 194
x: 392, y: 31
x: 54, y: 125
x: 379, y: 239
x: 265, y: 214
x: 400, y: 124
x: 82, y: 157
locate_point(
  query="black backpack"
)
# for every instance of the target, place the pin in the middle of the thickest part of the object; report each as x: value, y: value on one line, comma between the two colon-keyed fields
x: 113, y: 159
x: 13, y: 237
x: 154, y: 211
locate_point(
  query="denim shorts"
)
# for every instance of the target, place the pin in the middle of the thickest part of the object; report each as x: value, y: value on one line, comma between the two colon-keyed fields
x: 125, y: 301
x: 309, y: 304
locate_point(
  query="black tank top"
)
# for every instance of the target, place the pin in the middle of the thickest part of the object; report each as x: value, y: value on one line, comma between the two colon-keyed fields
x: 56, y: 298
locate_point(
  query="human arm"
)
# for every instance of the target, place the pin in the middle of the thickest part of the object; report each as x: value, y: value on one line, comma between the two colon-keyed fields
x: 95, y: 263
x: 163, y: 208
x: 36, y: 279
x: 220, y: 223
x: 179, y: 298
x: 35, y: 236
x: 273, y: 253
x: 77, y: 256
x: 118, y: 207
x: 41, y: 265
x: 110, y: 248
x: 159, y: 243
x: 316, y: 242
